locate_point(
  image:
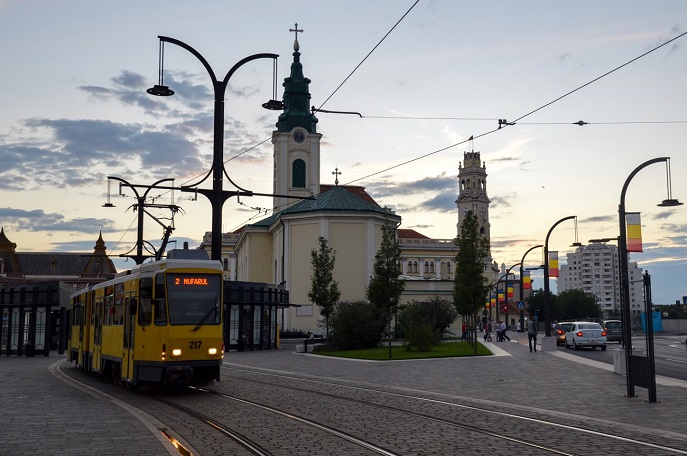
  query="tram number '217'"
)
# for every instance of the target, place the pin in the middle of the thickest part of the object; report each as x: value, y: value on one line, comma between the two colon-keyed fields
x: 195, y: 344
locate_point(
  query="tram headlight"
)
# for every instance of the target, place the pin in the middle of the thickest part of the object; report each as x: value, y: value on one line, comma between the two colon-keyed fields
x: 177, y: 352
x: 212, y: 351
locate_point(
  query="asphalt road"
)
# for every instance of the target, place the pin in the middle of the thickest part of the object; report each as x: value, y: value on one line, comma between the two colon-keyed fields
x: 670, y: 354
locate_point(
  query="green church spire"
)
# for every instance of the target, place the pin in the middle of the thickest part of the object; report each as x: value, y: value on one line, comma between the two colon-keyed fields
x: 296, y: 96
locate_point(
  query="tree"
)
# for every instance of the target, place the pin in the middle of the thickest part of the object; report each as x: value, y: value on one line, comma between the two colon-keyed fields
x: 385, y: 287
x: 356, y: 325
x: 470, y: 290
x: 324, y: 290
x: 578, y: 305
x: 423, y: 323
x: 535, y: 306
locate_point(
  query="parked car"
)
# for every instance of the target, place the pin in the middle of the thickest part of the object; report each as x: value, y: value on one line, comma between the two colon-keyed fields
x: 585, y: 334
x: 614, y: 330
x: 559, y: 331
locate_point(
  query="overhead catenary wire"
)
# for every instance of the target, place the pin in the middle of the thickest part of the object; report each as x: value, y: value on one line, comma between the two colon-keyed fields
x: 525, y: 115
x: 368, y: 54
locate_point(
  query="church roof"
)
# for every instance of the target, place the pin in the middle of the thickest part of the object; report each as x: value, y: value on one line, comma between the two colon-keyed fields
x: 407, y: 233
x: 357, y: 190
x: 334, y: 199
x: 337, y: 199
x: 64, y: 263
x: 55, y: 263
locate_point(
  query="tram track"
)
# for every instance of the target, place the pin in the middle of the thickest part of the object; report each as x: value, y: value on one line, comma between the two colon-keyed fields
x: 517, y: 420
x: 173, y: 442
x: 250, y: 445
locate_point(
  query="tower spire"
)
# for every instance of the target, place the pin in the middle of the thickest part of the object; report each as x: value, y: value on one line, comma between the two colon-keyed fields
x: 296, y: 97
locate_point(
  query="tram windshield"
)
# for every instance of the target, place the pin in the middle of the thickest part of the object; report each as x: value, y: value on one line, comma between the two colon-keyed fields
x: 194, y: 299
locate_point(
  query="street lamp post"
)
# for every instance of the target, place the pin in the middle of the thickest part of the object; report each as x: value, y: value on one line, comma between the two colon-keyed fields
x: 549, y: 344
x: 624, y: 267
x: 217, y: 195
x: 522, y: 296
x: 505, y: 292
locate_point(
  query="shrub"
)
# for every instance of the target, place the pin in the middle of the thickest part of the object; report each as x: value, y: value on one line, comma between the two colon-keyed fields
x: 295, y: 333
x: 356, y: 324
x: 423, y: 324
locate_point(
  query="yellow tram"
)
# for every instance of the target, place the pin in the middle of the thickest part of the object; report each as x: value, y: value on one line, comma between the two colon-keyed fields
x: 159, y: 322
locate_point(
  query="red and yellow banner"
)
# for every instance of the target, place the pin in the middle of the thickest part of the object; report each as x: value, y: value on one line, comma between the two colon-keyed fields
x: 633, y: 221
x: 553, y: 264
x: 501, y: 296
x: 510, y: 291
x: 526, y: 281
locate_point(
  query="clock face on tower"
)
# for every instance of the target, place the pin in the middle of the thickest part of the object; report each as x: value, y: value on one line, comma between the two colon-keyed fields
x: 298, y: 136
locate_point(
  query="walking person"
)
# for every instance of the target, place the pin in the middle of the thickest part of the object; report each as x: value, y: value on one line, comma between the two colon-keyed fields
x: 504, y: 328
x: 532, y: 334
x: 487, y: 333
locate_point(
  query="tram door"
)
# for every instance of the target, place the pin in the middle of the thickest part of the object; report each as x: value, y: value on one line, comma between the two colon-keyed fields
x: 128, y: 343
x: 97, y: 331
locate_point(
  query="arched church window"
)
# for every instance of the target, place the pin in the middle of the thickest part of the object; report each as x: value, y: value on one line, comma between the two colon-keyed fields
x: 410, y: 266
x: 481, y: 231
x: 298, y: 173
x: 431, y: 266
x: 226, y: 264
x: 448, y: 267
x: 426, y: 266
x: 414, y: 266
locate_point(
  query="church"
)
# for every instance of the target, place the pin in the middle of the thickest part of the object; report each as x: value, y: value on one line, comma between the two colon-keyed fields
x: 277, y: 249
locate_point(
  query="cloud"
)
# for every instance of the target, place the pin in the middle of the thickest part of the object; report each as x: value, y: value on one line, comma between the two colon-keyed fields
x: 498, y: 202
x: 440, y: 183
x: 39, y: 220
x: 663, y: 215
x: 599, y: 218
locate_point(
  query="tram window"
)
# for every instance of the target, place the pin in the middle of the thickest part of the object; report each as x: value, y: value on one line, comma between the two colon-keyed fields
x: 119, y: 304
x: 110, y: 309
x: 160, y: 312
x: 145, y: 300
x: 160, y: 303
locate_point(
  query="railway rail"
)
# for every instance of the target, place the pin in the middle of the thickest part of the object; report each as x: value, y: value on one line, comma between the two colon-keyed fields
x: 531, y: 428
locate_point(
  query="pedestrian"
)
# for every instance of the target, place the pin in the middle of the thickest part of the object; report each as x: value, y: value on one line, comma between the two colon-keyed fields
x: 504, y: 328
x: 518, y: 327
x: 532, y: 334
x: 487, y: 333
x: 464, y: 330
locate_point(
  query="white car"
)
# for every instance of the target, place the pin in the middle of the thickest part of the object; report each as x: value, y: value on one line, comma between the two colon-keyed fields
x: 585, y: 334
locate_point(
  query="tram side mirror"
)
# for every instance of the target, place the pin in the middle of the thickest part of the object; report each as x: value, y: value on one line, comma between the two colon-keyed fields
x: 132, y: 306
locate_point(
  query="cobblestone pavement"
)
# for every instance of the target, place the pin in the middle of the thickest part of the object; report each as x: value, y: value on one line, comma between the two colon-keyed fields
x: 559, y: 382
x: 42, y: 414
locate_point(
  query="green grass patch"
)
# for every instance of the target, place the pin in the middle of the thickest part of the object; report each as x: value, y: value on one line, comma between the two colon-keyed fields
x: 444, y: 350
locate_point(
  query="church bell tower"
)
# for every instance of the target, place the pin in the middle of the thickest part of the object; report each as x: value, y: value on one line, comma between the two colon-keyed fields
x: 296, y: 141
x: 472, y: 178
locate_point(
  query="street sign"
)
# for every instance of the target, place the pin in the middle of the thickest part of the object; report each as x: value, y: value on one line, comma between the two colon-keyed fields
x: 505, y: 307
x: 521, y: 304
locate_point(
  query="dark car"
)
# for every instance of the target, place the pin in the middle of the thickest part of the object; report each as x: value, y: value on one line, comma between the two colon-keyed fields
x: 614, y: 330
x: 559, y: 331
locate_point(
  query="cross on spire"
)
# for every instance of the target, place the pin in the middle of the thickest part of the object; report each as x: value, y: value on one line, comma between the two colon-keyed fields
x: 295, y: 41
x: 336, y: 173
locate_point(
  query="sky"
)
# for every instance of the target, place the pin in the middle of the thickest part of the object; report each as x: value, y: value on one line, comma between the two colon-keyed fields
x: 74, y: 110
